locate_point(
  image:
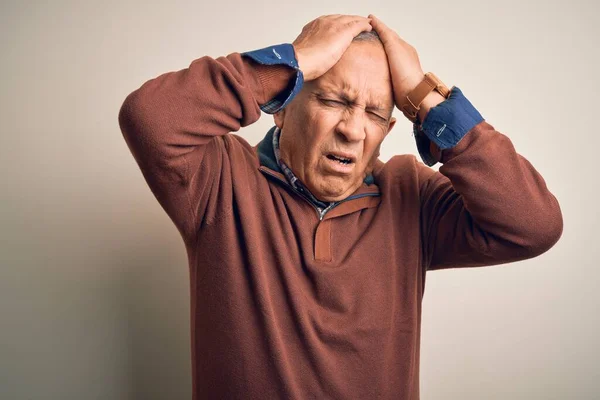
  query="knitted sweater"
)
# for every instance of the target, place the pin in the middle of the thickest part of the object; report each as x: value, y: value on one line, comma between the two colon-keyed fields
x: 288, y: 303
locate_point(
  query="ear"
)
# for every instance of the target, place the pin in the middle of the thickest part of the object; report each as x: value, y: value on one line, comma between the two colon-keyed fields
x: 278, y: 117
x: 376, y: 153
x: 371, y: 163
x: 392, y: 123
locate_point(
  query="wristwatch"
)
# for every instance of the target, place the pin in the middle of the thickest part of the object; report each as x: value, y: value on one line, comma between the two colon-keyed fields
x: 412, y: 104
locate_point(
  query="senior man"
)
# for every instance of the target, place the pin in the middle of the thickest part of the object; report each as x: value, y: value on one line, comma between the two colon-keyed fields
x: 307, y: 253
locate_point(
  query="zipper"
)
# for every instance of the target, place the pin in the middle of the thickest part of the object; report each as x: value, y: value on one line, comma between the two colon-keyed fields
x: 320, y: 211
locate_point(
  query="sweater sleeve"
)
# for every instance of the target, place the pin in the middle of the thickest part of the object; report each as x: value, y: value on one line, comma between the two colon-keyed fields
x: 175, y: 125
x: 486, y: 205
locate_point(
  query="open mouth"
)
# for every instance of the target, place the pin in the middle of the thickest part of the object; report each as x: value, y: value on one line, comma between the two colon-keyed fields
x: 341, y: 160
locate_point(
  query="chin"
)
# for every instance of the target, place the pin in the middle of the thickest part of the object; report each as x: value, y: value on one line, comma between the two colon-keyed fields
x: 334, y: 194
x: 331, y: 198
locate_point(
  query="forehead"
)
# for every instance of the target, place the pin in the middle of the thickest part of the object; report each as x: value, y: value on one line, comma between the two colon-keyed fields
x: 362, y: 74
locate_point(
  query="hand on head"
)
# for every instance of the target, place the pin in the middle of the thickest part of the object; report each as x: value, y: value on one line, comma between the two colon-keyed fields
x: 331, y: 132
x: 324, y: 40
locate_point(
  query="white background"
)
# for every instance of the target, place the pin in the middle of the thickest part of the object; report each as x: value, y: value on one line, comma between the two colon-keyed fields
x: 94, y: 294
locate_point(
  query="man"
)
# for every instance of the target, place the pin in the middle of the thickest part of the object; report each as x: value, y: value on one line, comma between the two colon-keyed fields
x: 307, y: 254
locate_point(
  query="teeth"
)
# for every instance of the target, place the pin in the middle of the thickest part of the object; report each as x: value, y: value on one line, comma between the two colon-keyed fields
x: 340, y: 159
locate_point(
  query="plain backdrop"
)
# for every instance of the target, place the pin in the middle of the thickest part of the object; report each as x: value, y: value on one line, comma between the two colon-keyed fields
x: 94, y: 292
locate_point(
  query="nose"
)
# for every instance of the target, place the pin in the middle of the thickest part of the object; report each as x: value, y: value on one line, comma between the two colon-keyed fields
x: 352, y: 126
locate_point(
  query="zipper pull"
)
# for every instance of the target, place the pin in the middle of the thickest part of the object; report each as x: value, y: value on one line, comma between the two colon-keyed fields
x: 321, y: 213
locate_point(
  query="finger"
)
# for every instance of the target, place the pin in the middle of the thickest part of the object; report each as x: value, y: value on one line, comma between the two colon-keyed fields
x: 378, y: 24
x: 347, y: 19
x: 355, y: 24
x: 386, y: 34
x: 357, y: 27
x: 346, y: 16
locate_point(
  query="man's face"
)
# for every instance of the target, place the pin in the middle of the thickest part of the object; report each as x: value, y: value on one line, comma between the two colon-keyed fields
x: 345, y: 112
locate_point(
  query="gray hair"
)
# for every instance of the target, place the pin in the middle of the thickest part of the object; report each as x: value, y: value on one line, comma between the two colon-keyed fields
x: 367, y: 36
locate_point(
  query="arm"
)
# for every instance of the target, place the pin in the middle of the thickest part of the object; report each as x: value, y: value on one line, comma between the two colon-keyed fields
x: 174, y: 124
x: 487, y: 205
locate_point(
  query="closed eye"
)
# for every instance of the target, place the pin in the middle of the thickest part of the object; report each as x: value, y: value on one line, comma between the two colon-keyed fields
x: 379, y: 116
x: 337, y: 103
x: 330, y: 102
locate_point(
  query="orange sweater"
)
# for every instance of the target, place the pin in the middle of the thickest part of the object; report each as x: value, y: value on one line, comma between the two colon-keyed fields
x: 285, y: 305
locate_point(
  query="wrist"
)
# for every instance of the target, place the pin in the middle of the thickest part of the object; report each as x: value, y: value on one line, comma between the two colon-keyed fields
x: 302, y: 63
x: 431, y: 100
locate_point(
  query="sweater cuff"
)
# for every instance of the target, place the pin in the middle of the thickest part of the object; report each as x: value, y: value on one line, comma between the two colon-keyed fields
x: 281, y: 54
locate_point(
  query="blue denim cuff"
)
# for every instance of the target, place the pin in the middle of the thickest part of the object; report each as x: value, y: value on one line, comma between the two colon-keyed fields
x: 423, y: 146
x: 446, y: 124
x: 279, y: 54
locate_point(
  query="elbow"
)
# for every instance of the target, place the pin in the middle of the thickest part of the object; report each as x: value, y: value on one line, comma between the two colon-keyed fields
x: 554, y: 235
x: 145, y: 115
x: 128, y: 114
x: 548, y: 237
x: 137, y: 123
x: 135, y: 127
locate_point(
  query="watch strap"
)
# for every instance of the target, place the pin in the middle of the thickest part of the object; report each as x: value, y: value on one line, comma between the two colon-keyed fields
x: 412, y: 103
